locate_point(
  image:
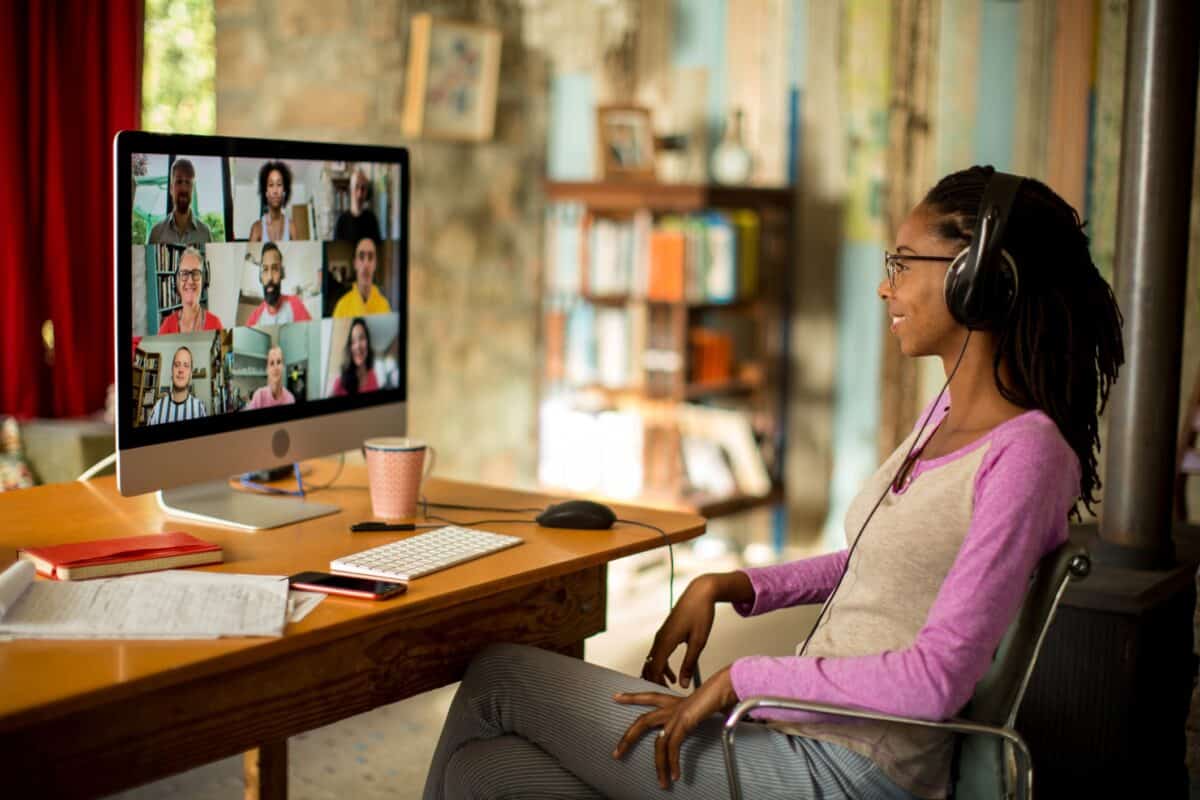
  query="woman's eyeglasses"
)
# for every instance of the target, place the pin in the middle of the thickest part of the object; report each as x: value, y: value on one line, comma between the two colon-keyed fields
x: 190, y: 275
x: 893, y: 263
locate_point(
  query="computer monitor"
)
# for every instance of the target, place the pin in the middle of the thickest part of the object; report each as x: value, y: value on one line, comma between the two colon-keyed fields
x: 261, y: 313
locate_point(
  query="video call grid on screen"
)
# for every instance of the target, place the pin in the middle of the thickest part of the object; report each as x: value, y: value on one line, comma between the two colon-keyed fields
x: 278, y: 292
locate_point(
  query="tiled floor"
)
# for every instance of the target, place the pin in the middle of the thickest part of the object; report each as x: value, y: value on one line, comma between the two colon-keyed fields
x: 385, y: 753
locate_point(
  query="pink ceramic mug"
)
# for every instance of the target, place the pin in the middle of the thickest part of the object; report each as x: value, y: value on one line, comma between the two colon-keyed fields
x: 395, y: 473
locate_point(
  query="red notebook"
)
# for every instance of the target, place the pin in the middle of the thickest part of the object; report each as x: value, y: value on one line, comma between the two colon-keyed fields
x: 106, y: 557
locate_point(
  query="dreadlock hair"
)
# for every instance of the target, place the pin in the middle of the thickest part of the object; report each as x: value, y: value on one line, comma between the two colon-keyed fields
x: 1061, y: 342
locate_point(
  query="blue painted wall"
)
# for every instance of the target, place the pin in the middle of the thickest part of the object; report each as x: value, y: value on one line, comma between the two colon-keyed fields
x: 571, y: 140
x: 999, y: 26
x: 699, y: 41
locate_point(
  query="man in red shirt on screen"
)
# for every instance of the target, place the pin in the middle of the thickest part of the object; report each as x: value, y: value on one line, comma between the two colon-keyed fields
x: 278, y: 308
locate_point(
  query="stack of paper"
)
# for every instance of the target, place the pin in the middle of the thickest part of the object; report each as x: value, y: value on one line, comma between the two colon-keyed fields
x: 162, y: 605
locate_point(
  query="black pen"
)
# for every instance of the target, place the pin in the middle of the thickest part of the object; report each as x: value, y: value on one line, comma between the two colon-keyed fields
x: 365, y: 527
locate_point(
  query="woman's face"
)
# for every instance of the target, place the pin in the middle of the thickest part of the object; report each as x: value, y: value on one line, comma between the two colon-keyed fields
x: 274, y: 189
x: 188, y: 280
x: 916, y: 306
x: 358, y: 345
x: 275, y: 367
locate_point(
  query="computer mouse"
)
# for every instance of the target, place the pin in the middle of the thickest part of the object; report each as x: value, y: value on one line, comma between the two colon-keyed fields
x: 577, y: 515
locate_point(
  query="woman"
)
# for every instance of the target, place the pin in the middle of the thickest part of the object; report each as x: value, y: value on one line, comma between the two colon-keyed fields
x: 190, y: 317
x: 358, y: 361
x: 274, y: 393
x: 274, y: 191
x: 943, y: 540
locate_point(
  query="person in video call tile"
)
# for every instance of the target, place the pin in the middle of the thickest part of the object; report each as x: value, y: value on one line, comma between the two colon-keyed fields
x: 358, y: 362
x: 179, y: 403
x: 278, y: 308
x: 190, y: 316
x: 274, y: 393
x: 360, y: 221
x: 181, y: 225
x: 365, y: 298
x: 275, y: 189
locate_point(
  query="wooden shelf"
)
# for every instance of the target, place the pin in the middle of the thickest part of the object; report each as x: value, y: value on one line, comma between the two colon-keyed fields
x: 696, y: 390
x: 620, y: 300
x: 708, y: 506
x: 681, y: 197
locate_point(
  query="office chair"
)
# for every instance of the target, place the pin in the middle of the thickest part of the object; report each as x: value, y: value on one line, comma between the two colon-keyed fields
x: 985, y: 725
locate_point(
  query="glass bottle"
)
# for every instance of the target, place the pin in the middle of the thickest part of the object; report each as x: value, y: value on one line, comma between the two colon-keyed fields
x: 731, y: 161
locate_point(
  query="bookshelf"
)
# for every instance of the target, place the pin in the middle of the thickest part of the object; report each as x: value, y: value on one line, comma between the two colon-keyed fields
x: 665, y: 314
x: 146, y: 369
x: 222, y: 344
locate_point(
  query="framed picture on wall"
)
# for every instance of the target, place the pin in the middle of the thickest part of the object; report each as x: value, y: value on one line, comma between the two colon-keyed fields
x: 625, y: 142
x: 453, y: 75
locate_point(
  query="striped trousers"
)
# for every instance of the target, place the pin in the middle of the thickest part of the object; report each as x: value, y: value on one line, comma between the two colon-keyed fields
x: 529, y: 724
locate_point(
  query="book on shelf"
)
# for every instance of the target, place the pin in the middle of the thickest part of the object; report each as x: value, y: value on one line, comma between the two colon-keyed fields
x: 666, y: 276
x: 122, y: 556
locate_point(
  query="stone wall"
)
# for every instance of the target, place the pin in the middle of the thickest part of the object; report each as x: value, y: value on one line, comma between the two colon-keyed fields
x: 334, y: 71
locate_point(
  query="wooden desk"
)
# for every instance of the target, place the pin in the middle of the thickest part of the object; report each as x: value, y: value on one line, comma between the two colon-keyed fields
x: 93, y: 717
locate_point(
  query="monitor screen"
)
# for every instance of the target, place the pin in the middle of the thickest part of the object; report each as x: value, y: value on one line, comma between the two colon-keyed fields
x: 260, y: 286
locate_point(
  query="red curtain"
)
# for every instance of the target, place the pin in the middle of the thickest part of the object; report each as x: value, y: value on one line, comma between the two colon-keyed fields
x: 70, y: 78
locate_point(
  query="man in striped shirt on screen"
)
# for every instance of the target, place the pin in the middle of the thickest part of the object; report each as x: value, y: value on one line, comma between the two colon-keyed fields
x: 179, y: 404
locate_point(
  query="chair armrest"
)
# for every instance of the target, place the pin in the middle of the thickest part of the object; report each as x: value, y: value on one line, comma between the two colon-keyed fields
x: 953, y: 725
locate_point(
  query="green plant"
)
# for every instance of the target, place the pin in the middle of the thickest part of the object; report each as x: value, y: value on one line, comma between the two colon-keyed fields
x: 178, y: 77
x: 215, y: 223
x: 139, y: 230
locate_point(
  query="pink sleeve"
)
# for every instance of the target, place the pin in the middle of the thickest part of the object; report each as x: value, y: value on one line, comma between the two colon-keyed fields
x: 795, y: 583
x: 1023, y: 491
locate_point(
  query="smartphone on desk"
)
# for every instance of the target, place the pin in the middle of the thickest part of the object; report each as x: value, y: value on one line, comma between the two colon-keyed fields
x: 364, y: 588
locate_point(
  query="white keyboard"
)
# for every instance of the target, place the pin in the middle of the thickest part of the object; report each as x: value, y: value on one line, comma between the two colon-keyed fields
x: 422, y: 554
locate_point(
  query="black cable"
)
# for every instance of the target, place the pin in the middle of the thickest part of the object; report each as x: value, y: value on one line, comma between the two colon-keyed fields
x: 888, y: 488
x: 333, y: 480
x: 670, y: 556
x: 477, y: 521
x: 426, y: 504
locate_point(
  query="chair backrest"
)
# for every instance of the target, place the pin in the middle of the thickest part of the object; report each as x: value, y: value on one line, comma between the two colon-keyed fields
x: 981, y: 764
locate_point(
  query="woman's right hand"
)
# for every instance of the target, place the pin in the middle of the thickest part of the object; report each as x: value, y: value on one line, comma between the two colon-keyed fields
x: 690, y: 622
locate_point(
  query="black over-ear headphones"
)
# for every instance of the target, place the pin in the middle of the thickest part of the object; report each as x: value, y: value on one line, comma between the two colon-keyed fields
x: 981, y: 284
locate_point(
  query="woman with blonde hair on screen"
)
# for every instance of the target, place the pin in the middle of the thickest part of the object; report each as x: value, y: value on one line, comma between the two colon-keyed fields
x: 191, y: 316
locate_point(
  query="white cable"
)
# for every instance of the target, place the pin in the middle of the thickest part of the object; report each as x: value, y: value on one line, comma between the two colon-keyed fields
x: 99, y: 465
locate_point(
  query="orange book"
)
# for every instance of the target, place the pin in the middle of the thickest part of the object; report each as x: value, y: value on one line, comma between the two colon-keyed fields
x: 124, y: 556
x: 666, y: 265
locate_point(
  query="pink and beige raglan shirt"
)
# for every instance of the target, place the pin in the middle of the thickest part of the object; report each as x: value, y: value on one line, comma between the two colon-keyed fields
x: 938, y: 576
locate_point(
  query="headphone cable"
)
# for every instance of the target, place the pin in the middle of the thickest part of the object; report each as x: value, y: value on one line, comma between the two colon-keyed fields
x: 903, y: 464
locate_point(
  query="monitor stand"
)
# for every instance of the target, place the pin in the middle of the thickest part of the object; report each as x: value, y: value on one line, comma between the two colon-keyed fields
x: 218, y: 503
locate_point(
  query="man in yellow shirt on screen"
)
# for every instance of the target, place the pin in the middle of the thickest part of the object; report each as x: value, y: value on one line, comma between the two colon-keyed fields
x: 365, y: 298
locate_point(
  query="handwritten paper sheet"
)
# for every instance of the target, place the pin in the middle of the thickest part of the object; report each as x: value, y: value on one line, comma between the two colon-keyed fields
x: 173, y: 604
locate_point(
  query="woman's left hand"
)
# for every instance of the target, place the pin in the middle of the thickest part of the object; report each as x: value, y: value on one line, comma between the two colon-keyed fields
x: 676, y: 716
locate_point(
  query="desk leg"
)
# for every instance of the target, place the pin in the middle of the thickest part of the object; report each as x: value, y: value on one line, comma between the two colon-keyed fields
x: 265, y: 770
